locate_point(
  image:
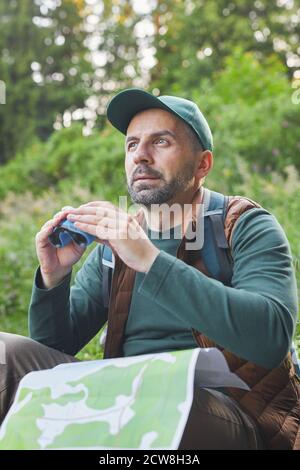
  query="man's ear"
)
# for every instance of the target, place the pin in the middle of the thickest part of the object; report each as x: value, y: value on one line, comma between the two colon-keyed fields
x: 205, y: 163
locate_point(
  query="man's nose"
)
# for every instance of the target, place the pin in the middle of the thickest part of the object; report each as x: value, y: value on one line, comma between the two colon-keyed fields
x: 142, y: 154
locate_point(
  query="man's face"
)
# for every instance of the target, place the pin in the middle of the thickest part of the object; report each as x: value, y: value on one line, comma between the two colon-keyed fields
x: 160, y: 160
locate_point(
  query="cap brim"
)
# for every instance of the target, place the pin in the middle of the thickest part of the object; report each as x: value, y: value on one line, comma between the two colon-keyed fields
x: 126, y: 104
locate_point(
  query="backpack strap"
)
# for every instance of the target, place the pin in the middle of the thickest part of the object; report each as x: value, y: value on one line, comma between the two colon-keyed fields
x: 216, y: 251
x: 108, y: 264
x: 295, y: 359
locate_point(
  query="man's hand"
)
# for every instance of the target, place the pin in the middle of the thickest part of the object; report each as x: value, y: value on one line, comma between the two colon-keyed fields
x: 119, y: 230
x: 55, y: 263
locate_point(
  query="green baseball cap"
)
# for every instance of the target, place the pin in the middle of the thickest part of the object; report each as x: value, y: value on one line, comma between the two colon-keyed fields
x: 126, y: 104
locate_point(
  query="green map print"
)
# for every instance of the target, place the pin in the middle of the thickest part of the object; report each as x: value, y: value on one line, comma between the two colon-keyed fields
x: 125, y: 403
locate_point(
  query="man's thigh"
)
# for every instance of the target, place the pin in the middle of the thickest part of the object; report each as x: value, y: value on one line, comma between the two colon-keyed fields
x: 217, y: 422
x: 19, y: 356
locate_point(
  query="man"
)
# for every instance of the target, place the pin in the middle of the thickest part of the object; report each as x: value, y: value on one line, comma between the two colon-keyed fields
x: 161, y: 298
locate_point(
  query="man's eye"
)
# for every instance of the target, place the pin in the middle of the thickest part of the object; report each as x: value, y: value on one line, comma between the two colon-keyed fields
x: 159, y: 141
x: 131, y: 145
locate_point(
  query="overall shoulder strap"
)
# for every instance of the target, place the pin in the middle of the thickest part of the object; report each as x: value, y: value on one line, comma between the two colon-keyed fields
x: 215, y: 251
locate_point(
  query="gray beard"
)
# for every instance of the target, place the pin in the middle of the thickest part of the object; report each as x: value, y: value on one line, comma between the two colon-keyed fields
x: 148, y: 195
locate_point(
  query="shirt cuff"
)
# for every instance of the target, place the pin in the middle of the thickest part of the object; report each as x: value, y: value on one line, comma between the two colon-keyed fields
x: 155, y: 277
x: 38, y: 283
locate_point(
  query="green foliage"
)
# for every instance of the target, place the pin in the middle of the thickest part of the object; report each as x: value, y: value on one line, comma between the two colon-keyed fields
x: 193, y: 38
x: 244, y: 80
x: 54, y: 56
x: 66, y: 157
x: 251, y: 113
x: 255, y: 119
x: 265, y: 134
x: 42, y: 64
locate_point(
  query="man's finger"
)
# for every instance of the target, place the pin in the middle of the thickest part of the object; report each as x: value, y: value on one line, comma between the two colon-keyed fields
x: 107, y: 233
x: 84, y: 218
x: 99, y: 211
x: 44, y: 232
x: 95, y: 203
x: 51, y: 222
x: 83, y: 211
x: 100, y: 204
x: 100, y: 232
x: 57, y: 214
x: 91, y: 229
x: 108, y: 222
x: 110, y: 212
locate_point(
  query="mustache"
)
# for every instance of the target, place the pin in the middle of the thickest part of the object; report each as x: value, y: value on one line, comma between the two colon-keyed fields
x: 143, y: 169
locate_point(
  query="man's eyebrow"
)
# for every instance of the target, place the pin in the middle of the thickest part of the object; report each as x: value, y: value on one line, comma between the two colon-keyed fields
x: 155, y: 134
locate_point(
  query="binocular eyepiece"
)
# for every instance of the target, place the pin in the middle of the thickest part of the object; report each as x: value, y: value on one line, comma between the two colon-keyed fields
x: 66, y: 232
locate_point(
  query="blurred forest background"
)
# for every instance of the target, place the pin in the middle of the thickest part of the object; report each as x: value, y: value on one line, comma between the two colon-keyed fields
x: 62, y: 61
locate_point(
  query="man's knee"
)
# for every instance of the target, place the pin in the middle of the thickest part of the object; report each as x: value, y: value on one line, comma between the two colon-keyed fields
x: 216, y: 422
x: 2, y: 351
x: 22, y: 354
x: 14, y: 348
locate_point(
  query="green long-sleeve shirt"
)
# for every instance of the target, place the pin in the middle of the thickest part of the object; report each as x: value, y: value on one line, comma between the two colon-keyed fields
x: 255, y: 318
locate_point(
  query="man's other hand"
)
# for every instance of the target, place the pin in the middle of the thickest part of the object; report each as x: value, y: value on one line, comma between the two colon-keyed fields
x: 120, y: 230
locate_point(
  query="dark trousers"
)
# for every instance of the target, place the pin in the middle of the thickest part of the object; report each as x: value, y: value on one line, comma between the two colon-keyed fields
x: 215, y: 420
